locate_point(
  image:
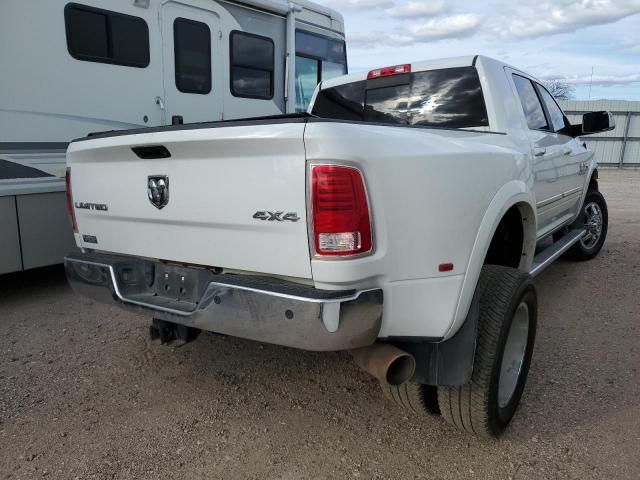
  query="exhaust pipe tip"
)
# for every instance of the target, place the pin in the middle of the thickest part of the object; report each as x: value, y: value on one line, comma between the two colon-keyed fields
x: 400, y: 370
x: 389, y: 364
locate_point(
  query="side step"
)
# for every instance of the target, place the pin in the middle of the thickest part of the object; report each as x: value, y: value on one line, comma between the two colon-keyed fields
x: 551, y: 254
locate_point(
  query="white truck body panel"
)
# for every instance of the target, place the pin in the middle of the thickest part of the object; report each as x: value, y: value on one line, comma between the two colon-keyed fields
x: 437, y: 196
x: 209, y: 218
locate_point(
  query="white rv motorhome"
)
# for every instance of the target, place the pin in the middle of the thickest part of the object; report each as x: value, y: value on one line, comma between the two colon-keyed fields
x: 71, y: 68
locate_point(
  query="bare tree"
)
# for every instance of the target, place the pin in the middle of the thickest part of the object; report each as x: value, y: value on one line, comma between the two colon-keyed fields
x: 559, y: 89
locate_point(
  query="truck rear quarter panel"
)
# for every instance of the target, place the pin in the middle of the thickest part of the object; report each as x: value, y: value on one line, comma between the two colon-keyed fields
x: 429, y: 191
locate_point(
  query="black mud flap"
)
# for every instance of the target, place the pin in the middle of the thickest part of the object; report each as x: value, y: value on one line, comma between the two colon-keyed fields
x: 448, y: 363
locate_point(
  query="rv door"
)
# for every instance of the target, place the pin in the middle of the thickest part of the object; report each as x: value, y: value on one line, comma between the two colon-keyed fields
x: 192, y: 60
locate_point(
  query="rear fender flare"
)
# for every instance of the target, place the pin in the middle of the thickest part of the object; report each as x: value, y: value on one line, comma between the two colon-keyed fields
x: 513, y: 193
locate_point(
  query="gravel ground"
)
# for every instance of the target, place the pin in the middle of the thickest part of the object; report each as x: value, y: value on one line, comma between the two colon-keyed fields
x: 85, y: 394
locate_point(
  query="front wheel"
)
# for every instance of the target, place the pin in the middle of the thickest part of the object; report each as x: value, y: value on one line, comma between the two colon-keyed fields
x: 594, y: 218
x: 506, y: 334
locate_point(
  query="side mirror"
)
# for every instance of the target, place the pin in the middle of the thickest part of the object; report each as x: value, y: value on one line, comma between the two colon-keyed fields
x: 596, y: 122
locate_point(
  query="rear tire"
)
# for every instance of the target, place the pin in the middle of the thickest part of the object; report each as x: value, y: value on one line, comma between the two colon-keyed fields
x: 418, y: 399
x: 506, y: 336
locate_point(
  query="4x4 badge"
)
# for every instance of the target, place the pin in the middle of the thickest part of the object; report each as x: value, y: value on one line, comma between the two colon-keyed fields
x: 276, y: 216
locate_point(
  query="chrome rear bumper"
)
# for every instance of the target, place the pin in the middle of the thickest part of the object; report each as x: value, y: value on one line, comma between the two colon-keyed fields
x: 255, y: 308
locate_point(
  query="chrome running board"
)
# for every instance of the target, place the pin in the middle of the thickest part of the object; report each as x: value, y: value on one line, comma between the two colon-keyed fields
x: 551, y: 254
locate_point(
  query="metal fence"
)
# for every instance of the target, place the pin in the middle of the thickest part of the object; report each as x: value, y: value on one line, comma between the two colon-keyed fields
x: 620, y: 147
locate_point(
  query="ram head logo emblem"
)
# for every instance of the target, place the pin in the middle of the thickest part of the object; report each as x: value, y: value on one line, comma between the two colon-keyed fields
x: 158, y: 190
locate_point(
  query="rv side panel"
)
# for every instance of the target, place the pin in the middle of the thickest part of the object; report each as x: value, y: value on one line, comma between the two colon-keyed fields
x: 43, y: 216
x: 10, y: 259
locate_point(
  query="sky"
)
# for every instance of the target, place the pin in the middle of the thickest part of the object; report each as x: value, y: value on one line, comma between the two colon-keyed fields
x: 550, y: 39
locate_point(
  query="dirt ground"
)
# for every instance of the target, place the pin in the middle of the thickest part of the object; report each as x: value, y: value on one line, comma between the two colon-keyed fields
x: 85, y: 394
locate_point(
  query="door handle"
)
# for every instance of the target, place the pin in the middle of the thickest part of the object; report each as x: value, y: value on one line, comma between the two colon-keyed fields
x: 539, y: 152
x: 160, y: 102
x: 567, y: 151
x: 583, y: 168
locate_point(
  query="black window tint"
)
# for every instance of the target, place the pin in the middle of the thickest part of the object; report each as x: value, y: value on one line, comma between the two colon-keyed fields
x: 555, y: 113
x: 252, y: 65
x: 87, y: 33
x: 530, y: 103
x: 450, y: 97
x: 97, y: 35
x: 387, y: 104
x: 192, y: 47
x: 344, y: 102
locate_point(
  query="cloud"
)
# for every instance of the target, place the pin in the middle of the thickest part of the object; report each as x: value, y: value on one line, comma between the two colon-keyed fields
x: 540, y: 18
x: 361, y: 4
x: 418, y: 9
x: 601, y: 80
x: 454, y: 26
x: 458, y: 26
x: 629, y: 44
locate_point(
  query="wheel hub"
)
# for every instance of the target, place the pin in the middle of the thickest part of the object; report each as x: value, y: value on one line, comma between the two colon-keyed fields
x: 592, y: 224
x: 513, y: 357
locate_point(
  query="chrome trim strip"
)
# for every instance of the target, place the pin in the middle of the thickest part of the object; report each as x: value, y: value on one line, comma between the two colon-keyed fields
x: 284, y: 296
x: 549, y: 201
x: 335, y: 324
x: 572, y: 192
x: 560, y: 196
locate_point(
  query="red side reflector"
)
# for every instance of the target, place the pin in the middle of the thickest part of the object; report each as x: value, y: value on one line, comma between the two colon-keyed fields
x: 389, y: 71
x: 445, y: 267
x: 70, y: 211
x: 340, y: 209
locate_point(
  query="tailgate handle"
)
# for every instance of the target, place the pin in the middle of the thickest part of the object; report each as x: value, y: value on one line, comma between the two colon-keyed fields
x: 151, y: 152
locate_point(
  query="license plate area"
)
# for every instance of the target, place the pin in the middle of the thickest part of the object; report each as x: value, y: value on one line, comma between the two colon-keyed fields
x: 179, y: 283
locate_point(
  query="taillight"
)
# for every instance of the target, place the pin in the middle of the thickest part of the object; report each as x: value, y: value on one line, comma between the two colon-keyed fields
x: 340, y: 210
x: 389, y: 71
x: 70, y: 211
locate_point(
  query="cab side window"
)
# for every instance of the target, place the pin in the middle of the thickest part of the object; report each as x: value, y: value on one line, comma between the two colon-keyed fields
x: 531, y: 105
x: 555, y: 113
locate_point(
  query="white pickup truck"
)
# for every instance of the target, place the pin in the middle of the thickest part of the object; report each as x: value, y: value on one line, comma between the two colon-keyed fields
x: 402, y: 219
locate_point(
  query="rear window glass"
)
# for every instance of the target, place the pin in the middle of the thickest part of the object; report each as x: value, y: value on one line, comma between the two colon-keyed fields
x: 387, y: 104
x: 344, y: 102
x: 450, y: 97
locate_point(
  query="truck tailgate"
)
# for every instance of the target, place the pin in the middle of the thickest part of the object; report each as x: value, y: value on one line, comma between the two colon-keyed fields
x: 236, y: 196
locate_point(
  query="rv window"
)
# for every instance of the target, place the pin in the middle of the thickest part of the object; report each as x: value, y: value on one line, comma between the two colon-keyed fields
x: 252, y: 65
x: 307, y: 79
x: 192, y: 48
x: 316, y: 53
x: 96, y: 35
